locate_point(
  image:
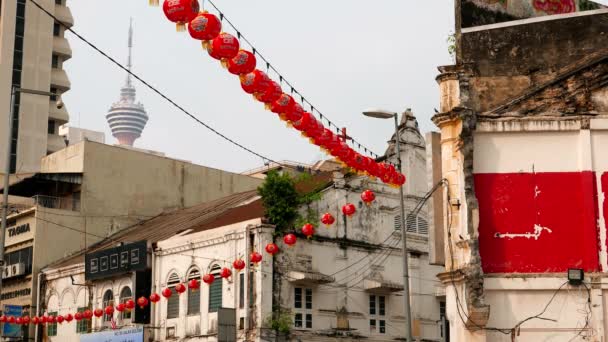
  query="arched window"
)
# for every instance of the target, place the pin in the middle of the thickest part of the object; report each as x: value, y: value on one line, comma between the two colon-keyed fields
x: 194, y: 296
x: 215, y: 290
x: 108, y: 299
x: 173, y: 301
x: 125, y: 295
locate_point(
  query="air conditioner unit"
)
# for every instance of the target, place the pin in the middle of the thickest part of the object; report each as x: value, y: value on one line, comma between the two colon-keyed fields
x: 18, y: 269
x: 13, y: 270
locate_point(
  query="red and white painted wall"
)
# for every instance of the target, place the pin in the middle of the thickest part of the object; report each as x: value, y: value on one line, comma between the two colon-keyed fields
x: 542, y: 197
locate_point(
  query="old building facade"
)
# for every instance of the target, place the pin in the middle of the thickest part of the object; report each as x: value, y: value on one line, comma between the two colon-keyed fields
x: 73, y: 204
x: 523, y: 129
x: 346, y: 282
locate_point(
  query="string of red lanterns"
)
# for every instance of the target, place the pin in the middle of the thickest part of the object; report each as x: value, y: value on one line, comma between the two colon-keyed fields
x: 223, y: 46
x: 290, y: 239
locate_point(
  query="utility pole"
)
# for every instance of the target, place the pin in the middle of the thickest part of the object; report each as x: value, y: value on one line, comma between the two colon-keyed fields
x: 382, y: 114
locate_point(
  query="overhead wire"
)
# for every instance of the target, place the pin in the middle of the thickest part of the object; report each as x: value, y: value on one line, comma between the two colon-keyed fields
x: 156, y: 90
x: 282, y: 79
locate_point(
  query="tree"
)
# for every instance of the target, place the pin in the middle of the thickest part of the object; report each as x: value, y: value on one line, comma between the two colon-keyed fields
x: 280, y: 199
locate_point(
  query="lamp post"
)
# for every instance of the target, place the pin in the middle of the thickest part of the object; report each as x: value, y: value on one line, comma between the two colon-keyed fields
x: 383, y: 114
x: 7, y: 168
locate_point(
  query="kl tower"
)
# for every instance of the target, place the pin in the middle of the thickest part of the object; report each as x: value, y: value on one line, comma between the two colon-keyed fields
x: 127, y: 118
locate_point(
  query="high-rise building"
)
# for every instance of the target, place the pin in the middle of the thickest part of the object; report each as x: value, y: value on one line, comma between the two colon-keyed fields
x: 32, y: 52
x: 127, y: 118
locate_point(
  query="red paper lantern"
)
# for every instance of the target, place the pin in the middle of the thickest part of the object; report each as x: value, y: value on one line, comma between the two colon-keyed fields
x: 324, y: 138
x: 77, y: 317
x: 294, y: 114
x: 238, y: 264
x: 27, y: 319
x: 314, y: 130
x: 224, y: 46
x: 60, y: 319
x: 283, y: 104
x: 180, y: 288
x: 208, y: 279
x: 255, y: 257
x: 255, y: 82
x: 225, y: 273
x: 181, y: 12
x: 290, y: 239
x: 52, y: 319
x: 120, y: 307
x: 349, y: 209
x: 271, y: 94
x: 205, y: 26
x: 154, y: 298
x: 327, y: 219
x: 98, y: 313
x: 109, y: 310
x: 167, y: 293
x: 68, y: 318
x: 368, y: 196
x: 194, y: 284
x: 19, y: 321
x: 87, y: 314
x: 11, y: 320
x: 3, y: 319
x: 308, y: 230
x: 142, y: 302
x: 399, y: 179
x: 272, y: 249
x: 305, y: 120
x: 130, y: 304
x: 243, y: 63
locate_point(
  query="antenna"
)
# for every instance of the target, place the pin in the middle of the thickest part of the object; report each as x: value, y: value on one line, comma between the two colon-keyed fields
x: 130, y: 44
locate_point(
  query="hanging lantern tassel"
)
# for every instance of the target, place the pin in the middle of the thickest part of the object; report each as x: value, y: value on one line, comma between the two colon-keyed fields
x: 224, y: 62
x: 206, y: 44
x: 180, y: 27
x: 154, y: 3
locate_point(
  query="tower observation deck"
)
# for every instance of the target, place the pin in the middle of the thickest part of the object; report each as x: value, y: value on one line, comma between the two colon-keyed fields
x: 127, y: 118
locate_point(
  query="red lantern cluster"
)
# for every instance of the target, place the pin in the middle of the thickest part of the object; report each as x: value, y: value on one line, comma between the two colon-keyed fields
x: 238, y: 265
x: 225, y: 47
x: 226, y: 273
x: 208, y: 279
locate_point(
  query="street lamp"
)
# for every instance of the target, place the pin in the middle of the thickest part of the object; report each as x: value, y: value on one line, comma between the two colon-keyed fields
x: 383, y: 114
x: 7, y: 168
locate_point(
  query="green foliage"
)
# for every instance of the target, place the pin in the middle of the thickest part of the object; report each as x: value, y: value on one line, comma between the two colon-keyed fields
x: 586, y: 5
x: 452, y: 45
x: 281, y: 322
x: 280, y: 199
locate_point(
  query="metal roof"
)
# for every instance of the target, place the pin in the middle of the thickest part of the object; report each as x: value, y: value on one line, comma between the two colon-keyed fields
x: 227, y: 210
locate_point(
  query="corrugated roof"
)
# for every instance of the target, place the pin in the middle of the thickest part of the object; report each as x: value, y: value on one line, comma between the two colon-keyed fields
x: 227, y: 210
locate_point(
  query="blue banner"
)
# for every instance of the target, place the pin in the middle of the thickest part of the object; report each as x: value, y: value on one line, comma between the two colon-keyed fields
x: 12, y: 330
x: 134, y: 334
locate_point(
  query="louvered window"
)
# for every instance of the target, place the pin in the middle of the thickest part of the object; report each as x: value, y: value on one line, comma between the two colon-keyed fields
x: 173, y: 301
x: 215, y: 290
x: 414, y: 224
x: 194, y: 296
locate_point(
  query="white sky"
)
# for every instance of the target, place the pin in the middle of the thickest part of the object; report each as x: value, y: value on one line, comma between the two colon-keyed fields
x: 342, y: 55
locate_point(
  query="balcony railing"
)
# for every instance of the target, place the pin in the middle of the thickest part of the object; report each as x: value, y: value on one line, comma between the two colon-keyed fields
x: 63, y: 203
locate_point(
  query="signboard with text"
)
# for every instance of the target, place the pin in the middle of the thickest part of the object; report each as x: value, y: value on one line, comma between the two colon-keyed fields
x: 12, y: 330
x: 135, y: 334
x: 114, y: 261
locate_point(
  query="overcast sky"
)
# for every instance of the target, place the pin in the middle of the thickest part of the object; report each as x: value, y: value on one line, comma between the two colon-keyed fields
x: 342, y: 55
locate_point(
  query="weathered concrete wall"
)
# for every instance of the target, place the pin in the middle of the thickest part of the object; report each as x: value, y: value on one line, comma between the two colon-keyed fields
x: 508, y: 61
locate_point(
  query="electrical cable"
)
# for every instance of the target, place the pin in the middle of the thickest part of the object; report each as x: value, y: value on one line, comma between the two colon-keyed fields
x: 155, y: 90
x: 282, y: 79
